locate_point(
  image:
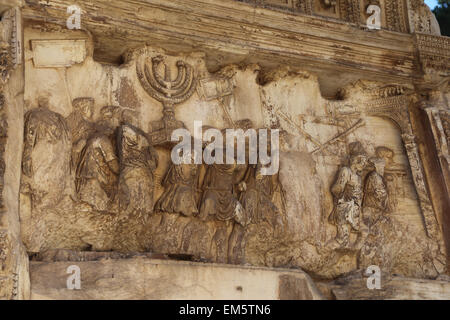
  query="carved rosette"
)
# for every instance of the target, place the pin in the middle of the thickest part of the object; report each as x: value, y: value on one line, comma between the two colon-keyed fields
x: 421, y: 18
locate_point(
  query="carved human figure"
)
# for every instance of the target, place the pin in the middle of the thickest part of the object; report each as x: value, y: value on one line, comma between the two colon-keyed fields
x: 46, y: 156
x: 390, y: 179
x: 180, y: 194
x: 97, y: 166
x: 97, y: 171
x: 138, y: 161
x: 111, y: 117
x: 81, y: 126
x: 348, y: 195
x: 375, y: 222
x: 375, y: 191
x: 376, y: 198
x: 219, y: 200
x: 257, y: 195
x: 263, y: 198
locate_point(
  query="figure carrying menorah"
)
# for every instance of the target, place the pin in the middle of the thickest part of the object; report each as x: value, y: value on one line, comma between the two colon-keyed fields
x: 167, y: 91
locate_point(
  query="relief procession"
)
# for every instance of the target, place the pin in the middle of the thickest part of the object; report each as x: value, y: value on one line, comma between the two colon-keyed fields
x: 224, y: 150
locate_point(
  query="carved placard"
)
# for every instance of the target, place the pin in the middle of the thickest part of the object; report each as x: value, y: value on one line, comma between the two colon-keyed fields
x: 58, y: 53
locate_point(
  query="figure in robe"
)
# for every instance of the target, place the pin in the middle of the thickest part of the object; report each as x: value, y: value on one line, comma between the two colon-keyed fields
x: 97, y: 165
x: 376, y: 199
x: 222, y: 184
x: 375, y: 222
x: 81, y: 126
x: 180, y: 194
x: 263, y: 198
x: 46, y: 156
x: 348, y: 195
x: 138, y: 161
x: 219, y: 199
x: 97, y: 173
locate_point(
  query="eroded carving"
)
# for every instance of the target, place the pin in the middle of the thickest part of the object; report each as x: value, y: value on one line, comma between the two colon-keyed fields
x: 375, y: 190
x: 423, y: 20
x: 181, y: 190
x: 132, y: 198
x: 4, y: 251
x: 348, y: 195
x: 138, y: 162
x: 97, y: 165
x: 168, y: 91
x: 46, y: 156
x: 219, y: 199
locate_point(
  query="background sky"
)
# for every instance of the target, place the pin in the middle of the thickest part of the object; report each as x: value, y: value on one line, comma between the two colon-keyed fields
x: 431, y: 3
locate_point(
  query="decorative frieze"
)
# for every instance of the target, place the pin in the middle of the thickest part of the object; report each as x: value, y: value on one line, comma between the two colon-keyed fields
x: 434, y: 53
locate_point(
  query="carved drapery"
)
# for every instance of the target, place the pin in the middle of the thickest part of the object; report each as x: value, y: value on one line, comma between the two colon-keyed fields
x: 393, y: 107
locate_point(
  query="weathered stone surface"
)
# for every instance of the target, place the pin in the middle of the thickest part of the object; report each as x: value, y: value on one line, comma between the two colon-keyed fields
x: 86, y: 153
x: 328, y: 156
x: 254, y: 35
x: 58, y: 53
x: 8, y: 4
x: 14, y: 276
x: 354, y: 287
x: 141, y: 278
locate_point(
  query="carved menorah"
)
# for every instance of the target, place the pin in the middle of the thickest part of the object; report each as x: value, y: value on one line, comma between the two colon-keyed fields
x: 162, y: 88
x: 168, y: 91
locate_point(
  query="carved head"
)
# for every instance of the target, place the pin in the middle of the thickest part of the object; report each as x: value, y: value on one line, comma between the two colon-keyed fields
x: 111, y: 116
x: 85, y: 106
x: 358, y: 156
x: 44, y: 125
x: 133, y: 138
x: 386, y: 154
x: 358, y: 163
x: 379, y: 165
x: 43, y: 102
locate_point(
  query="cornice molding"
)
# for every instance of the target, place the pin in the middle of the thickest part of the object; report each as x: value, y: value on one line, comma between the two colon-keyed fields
x: 239, y: 32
